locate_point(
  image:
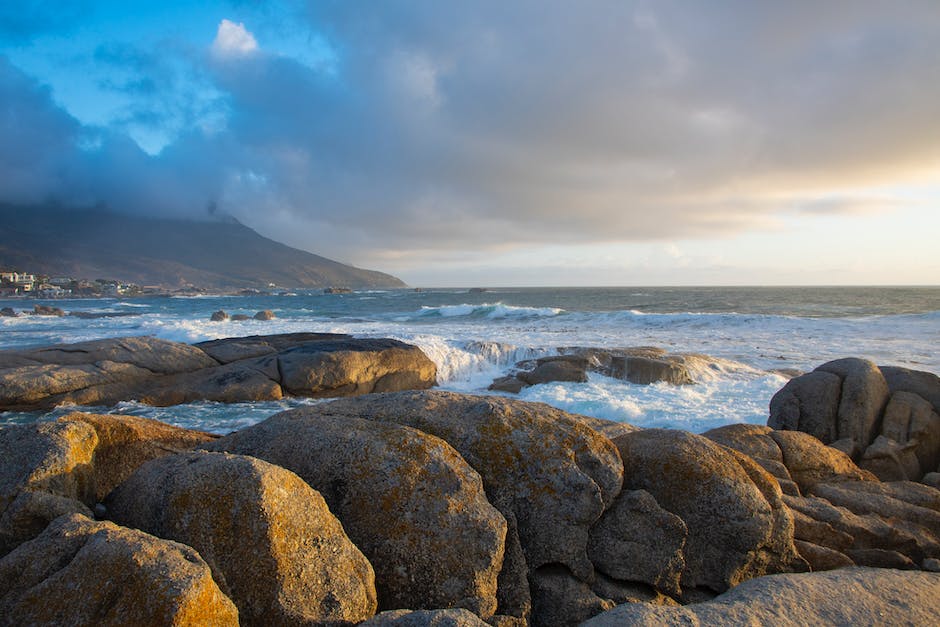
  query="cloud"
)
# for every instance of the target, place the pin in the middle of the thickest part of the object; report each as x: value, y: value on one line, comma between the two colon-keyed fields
x: 233, y: 40
x: 444, y: 127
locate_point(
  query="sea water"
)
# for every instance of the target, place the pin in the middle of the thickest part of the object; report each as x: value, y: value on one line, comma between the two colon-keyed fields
x: 474, y: 337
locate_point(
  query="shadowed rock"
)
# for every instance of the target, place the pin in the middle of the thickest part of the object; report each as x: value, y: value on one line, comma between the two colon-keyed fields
x: 127, y: 442
x: 738, y: 528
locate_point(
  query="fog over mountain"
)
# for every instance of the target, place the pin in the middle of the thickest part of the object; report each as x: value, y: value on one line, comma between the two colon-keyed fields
x: 217, y: 253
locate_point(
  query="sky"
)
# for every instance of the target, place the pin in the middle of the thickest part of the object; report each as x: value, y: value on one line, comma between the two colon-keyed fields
x: 534, y: 142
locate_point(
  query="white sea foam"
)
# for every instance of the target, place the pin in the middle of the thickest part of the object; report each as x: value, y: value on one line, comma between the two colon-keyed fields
x: 474, y: 343
x: 491, y: 311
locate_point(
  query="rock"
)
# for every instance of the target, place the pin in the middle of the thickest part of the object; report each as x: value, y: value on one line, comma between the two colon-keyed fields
x: 127, y: 442
x: 924, y: 384
x: 29, y: 514
x: 457, y: 617
x: 218, y: 316
x: 756, y: 442
x: 406, y: 499
x: 240, y: 317
x: 48, y: 457
x: 848, y: 596
x: 148, y: 353
x: 809, y: 461
x: 561, y: 599
x: 880, y: 558
x: 882, y: 504
x: 819, y: 533
x: 628, y: 592
x: 46, y: 310
x: 638, y: 541
x: 864, y: 396
x: 26, y: 386
x: 737, y: 529
x: 350, y: 367
x: 509, y: 383
x: 337, y: 290
x: 271, y: 541
x: 868, y: 531
x: 644, y: 370
x: 608, y: 428
x: 808, y: 403
x: 932, y: 479
x: 752, y: 440
x: 909, y: 419
x: 7, y: 312
x: 822, y: 558
x: 549, y: 369
x: 163, y: 373
x: 890, y: 461
x: 81, y: 572
x: 266, y: 314
x: 553, y: 473
x: 931, y: 564
x: 232, y: 349
x: 48, y: 375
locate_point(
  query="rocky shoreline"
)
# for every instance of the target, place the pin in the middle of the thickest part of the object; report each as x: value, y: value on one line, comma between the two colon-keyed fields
x: 421, y: 507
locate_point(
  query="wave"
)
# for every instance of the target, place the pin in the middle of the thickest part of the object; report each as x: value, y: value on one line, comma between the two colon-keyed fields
x: 490, y: 311
x: 124, y: 304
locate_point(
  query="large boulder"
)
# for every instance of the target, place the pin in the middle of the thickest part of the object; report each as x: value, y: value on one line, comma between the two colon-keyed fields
x: 911, y: 420
x: 553, y: 473
x: 808, y: 403
x: 81, y: 572
x: 887, y: 419
x: 864, y: 396
x: 738, y: 526
x: 756, y: 442
x: 406, y: 498
x: 49, y: 457
x: 809, y: 461
x: 638, y: 541
x: 47, y: 471
x: 350, y: 367
x: 849, y: 596
x: 924, y: 384
x: 127, y: 442
x: 271, y: 541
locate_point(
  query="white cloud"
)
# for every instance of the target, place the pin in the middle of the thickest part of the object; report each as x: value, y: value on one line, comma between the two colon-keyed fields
x: 233, y: 40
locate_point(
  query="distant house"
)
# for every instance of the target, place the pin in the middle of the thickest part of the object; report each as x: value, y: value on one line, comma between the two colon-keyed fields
x: 20, y: 281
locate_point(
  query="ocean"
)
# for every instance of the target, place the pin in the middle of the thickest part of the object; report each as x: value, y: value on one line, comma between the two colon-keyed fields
x: 476, y: 336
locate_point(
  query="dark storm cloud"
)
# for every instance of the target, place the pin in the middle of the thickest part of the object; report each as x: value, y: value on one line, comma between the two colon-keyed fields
x: 446, y: 125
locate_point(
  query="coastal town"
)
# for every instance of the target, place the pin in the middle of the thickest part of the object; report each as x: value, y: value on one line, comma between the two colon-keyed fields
x: 25, y: 284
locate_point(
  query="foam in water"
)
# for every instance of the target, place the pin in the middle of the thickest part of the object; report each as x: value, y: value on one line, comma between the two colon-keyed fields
x: 473, y: 343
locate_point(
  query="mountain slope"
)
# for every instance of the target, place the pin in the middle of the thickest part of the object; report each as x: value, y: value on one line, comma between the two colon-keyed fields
x: 156, y: 251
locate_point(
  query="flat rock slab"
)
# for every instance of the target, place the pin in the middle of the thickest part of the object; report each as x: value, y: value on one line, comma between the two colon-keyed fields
x: 848, y: 596
x: 159, y: 372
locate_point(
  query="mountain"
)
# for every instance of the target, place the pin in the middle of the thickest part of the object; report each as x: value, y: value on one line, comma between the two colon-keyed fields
x: 218, y: 254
